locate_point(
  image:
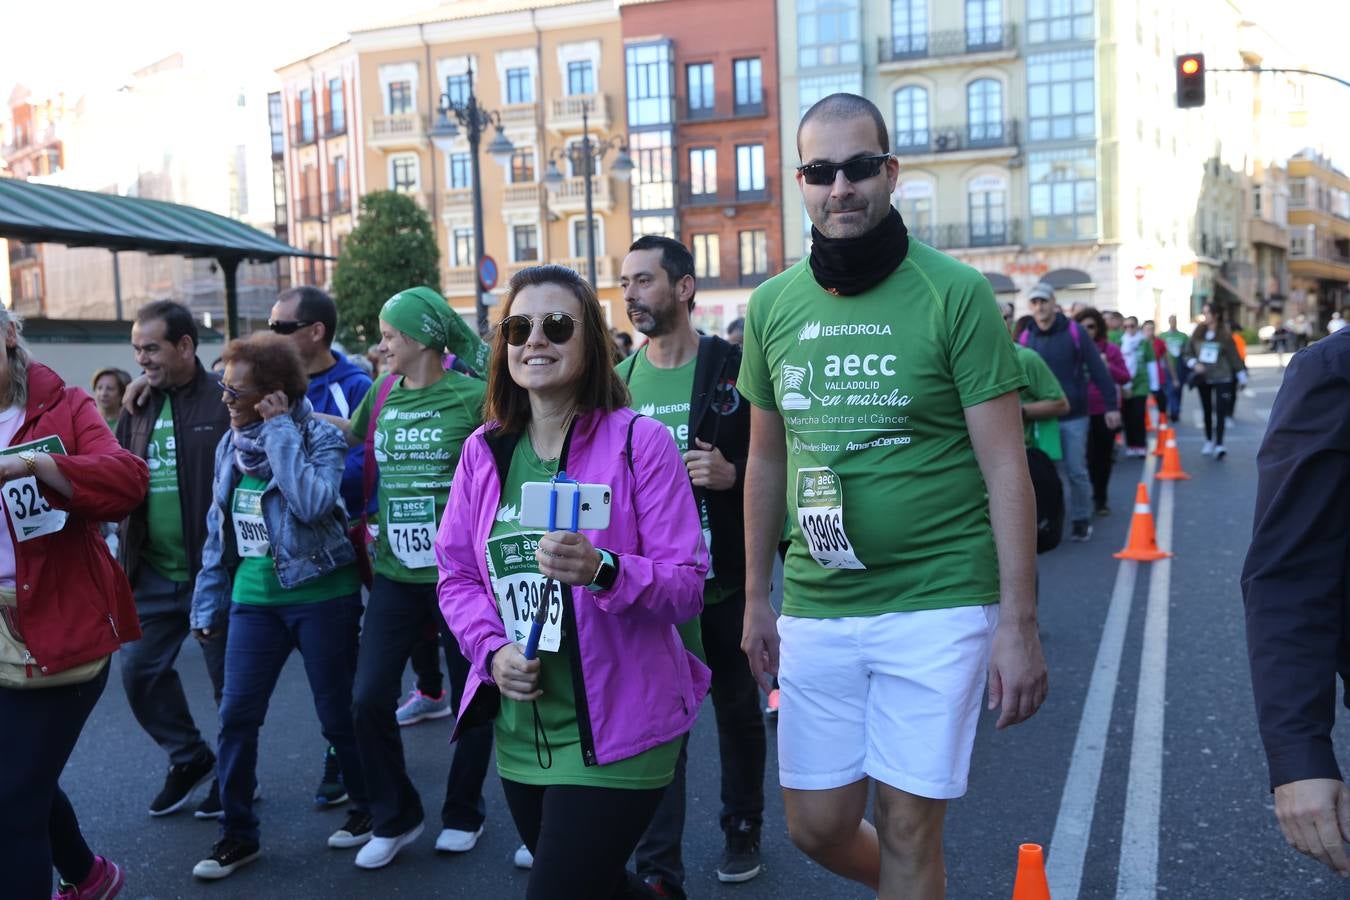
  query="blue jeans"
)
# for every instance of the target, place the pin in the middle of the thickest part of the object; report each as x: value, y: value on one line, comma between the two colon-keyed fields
x: 260, y: 640
x: 154, y: 691
x: 397, y: 616
x: 1073, y: 467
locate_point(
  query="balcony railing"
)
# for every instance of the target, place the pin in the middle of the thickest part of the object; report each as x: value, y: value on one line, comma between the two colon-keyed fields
x: 564, y: 113
x: 604, y: 267
x: 339, y: 202
x: 524, y: 194
x: 718, y: 112
x: 950, y: 139
x: 938, y: 44
x: 309, y: 207
x: 570, y: 196
x: 303, y: 133
x: 725, y: 198
x: 400, y: 129
x: 334, y: 123
x: 967, y: 235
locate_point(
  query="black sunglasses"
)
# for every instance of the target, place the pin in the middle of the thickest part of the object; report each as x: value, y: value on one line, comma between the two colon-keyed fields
x: 558, y: 328
x: 235, y: 393
x: 282, y: 327
x: 854, y: 170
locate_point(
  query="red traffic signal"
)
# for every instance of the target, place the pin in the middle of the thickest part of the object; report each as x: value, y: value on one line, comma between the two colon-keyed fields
x: 1190, y: 80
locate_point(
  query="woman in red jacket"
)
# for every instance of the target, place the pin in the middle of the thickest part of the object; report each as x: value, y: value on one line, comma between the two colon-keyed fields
x: 65, y: 606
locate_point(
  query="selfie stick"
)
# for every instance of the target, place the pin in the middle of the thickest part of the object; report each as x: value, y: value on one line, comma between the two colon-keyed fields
x: 541, y: 613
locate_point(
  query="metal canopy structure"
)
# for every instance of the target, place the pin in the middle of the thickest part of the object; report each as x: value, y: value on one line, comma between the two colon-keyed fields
x: 42, y: 213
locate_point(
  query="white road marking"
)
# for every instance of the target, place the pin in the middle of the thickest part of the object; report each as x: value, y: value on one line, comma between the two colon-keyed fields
x: 1138, y: 871
x: 1073, y: 825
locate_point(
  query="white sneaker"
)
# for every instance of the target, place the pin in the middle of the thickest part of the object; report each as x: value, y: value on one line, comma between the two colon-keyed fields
x: 523, y: 859
x: 452, y: 840
x: 1219, y: 452
x: 380, y: 851
x: 1208, y: 449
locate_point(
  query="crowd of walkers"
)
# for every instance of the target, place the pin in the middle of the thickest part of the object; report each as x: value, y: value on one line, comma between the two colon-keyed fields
x: 586, y: 537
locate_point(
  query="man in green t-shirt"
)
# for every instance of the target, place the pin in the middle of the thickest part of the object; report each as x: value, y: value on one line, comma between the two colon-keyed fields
x: 886, y: 418
x: 175, y: 431
x: 688, y: 383
x: 1177, y: 342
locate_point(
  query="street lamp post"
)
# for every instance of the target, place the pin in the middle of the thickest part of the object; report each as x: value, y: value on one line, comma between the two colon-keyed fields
x: 475, y: 120
x: 583, y: 158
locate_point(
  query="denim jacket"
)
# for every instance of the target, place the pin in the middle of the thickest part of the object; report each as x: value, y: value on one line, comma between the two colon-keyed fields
x: 302, y: 507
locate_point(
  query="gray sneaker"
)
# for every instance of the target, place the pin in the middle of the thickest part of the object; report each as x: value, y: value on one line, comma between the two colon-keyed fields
x: 419, y: 706
x: 1082, y: 531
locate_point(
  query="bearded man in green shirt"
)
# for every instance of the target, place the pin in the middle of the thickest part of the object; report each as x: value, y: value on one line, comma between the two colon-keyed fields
x: 886, y: 424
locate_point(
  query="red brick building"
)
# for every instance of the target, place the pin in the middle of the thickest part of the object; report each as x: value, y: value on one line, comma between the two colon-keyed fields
x: 702, y: 79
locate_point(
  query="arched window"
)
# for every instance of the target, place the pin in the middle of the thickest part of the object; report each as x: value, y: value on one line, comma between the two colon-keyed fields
x: 911, y: 120
x: 987, y: 205
x: 984, y: 113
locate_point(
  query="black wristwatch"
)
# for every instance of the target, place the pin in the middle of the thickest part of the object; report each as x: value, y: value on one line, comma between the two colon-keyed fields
x: 606, y: 573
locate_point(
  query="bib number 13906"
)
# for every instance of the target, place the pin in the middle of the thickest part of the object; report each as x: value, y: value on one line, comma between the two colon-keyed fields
x: 820, y: 515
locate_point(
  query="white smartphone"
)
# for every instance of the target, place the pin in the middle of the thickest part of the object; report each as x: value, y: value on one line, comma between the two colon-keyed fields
x: 594, y: 508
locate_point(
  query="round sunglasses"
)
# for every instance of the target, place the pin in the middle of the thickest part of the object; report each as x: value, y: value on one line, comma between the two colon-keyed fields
x: 558, y: 328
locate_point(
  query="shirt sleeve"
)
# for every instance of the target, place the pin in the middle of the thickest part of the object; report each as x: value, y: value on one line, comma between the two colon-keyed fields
x: 754, y: 382
x: 981, y: 357
x: 361, y: 417
x: 1041, y: 382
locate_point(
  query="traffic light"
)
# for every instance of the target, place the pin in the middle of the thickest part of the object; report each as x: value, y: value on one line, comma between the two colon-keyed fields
x: 1190, y: 80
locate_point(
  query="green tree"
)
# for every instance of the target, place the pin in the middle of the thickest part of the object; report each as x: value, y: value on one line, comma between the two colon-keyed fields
x: 393, y: 248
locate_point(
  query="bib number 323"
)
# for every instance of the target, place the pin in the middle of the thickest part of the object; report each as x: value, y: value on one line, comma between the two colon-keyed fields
x: 31, y: 515
x: 820, y: 515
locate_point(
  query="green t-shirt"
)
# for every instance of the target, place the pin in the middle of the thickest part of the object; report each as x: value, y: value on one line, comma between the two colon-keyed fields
x: 417, y: 444
x: 255, y: 581
x: 1175, y: 341
x: 518, y: 587
x: 888, y: 505
x: 165, y: 547
x: 1041, y: 385
x: 665, y: 395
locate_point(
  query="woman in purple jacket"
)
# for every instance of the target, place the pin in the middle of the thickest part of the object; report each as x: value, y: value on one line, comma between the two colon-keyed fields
x: 1101, y: 439
x: 587, y: 733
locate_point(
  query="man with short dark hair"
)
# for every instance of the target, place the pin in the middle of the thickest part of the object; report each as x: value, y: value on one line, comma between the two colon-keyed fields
x: 736, y: 332
x: 308, y: 317
x: 885, y: 411
x: 688, y: 383
x: 176, y: 433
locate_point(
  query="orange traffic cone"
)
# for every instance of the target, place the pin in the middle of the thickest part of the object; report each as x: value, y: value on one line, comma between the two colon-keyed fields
x: 1149, y: 407
x: 1030, y: 883
x: 1163, y: 435
x: 1162, y: 420
x: 1142, y: 544
x: 1171, y: 466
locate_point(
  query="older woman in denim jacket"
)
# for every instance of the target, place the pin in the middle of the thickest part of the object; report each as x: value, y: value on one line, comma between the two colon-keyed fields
x: 277, y: 560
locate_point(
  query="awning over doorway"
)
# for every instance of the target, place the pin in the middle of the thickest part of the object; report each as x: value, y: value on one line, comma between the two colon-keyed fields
x: 1067, y: 278
x: 1001, y: 283
x: 43, y: 213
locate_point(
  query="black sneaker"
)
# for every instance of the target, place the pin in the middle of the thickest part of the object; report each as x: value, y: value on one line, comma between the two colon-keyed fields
x: 227, y: 855
x: 1082, y: 531
x: 740, y: 859
x: 211, y: 808
x: 655, y: 887
x: 354, y: 832
x: 181, y: 782
x: 331, y: 790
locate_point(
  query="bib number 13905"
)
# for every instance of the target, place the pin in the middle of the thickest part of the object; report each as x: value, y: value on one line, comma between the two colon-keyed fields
x: 820, y: 515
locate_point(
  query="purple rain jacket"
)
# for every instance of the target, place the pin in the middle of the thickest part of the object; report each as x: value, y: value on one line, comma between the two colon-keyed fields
x: 639, y: 686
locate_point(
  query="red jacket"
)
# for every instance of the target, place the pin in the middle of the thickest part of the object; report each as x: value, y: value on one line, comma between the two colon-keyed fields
x: 74, y: 602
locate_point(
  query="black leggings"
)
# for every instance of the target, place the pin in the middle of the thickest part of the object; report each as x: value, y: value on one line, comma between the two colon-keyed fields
x: 1214, y: 418
x: 581, y: 837
x: 1101, y: 442
x: 1133, y: 412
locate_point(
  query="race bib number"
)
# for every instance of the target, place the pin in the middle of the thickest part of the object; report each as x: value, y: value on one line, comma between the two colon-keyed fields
x: 411, y: 525
x: 31, y: 515
x: 522, y: 592
x: 820, y: 514
x: 1209, y: 353
x: 250, y: 531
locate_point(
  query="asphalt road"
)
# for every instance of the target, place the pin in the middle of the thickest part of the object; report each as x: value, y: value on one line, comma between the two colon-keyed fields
x: 1159, y: 790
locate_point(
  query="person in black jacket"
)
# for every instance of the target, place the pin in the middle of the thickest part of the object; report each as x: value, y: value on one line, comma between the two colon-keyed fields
x: 1296, y: 586
x: 688, y: 382
x: 160, y: 543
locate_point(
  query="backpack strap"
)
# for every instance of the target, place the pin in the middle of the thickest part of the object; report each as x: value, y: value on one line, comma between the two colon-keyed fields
x: 628, y: 444
x: 1024, y: 338
x: 1077, y: 335
x: 368, y: 463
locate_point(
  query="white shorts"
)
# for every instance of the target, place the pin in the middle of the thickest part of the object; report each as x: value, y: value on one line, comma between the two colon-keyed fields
x: 895, y: 697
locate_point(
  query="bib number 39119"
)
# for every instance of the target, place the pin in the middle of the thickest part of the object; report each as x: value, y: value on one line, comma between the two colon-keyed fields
x: 411, y: 525
x: 820, y: 515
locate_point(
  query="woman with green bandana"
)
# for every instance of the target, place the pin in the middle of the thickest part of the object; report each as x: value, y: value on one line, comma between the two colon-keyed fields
x: 418, y: 415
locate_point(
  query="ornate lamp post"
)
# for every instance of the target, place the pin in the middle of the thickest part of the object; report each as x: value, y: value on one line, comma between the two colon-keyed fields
x: 583, y: 158
x: 475, y: 120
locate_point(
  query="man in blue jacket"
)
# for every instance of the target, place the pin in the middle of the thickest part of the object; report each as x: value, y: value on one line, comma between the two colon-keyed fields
x: 1296, y: 587
x: 308, y: 317
x: 1074, y: 358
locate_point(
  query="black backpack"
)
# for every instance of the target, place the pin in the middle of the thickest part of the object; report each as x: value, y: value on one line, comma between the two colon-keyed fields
x: 1049, y: 500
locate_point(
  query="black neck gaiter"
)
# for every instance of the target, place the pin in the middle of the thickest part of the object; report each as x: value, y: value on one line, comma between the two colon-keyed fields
x: 848, y: 266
